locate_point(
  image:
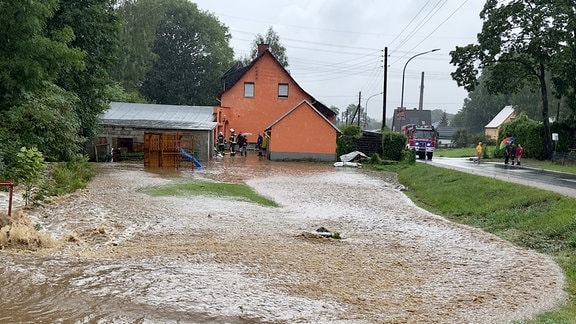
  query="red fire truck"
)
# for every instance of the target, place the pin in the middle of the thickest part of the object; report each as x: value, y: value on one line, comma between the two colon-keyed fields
x: 421, y: 139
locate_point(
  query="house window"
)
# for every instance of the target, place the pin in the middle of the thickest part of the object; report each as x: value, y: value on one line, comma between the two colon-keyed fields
x: 249, y: 89
x: 283, y: 90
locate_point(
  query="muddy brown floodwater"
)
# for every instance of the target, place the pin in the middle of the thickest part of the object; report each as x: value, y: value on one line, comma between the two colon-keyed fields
x: 125, y: 257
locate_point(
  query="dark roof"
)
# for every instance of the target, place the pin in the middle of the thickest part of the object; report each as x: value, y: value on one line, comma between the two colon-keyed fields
x: 447, y: 132
x: 235, y: 73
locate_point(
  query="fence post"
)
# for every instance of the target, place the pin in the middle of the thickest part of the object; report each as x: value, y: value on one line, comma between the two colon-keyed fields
x: 11, y: 186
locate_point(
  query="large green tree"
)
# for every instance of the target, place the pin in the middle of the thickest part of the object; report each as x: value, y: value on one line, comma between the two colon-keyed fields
x: 34, y: 111
x: 517, y: 45
x: 193, y: 53
x: 140, y: 19
x: 47, y: 120
x: 28, y: 54
x: 480, y: 107
x: 272, y: 39
x: 564, y: 63
x: 96, y: 32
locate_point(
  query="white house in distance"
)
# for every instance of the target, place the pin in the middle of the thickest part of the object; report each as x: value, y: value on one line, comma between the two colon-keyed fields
x: 505, y: 115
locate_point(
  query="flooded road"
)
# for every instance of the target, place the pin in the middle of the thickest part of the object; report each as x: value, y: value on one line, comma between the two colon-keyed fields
x: 125, y: 257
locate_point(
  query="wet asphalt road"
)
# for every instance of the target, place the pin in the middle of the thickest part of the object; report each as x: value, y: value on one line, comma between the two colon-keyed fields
x: 559, y: 182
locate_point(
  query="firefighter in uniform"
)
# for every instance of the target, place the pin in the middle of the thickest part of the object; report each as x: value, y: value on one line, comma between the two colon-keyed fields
x: 221, y: 142
x: 233, y: 142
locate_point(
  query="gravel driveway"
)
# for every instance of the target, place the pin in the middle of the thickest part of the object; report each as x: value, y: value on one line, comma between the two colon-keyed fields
x: 234, y: 261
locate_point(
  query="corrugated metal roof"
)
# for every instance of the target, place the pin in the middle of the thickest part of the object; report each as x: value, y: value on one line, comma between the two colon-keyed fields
x: 159, y: 116
x: 501, y: 117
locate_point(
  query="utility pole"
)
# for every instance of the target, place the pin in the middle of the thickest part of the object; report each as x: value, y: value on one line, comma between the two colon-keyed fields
x: 384, y: 87
x: 359, y: 106
x: 421, y: 103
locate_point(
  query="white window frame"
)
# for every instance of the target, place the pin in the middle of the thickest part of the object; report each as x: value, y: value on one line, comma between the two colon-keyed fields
x: 249, y: 89
x: 282, y: 90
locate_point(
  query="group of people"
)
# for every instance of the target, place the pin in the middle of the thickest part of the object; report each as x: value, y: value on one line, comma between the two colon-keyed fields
x: 512, y: 153
x: 238, y: 142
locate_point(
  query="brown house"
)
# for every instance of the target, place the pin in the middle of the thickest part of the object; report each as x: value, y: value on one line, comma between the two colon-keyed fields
x: 262, y: 96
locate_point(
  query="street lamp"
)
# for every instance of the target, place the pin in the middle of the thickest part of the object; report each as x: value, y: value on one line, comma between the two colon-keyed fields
x: 404, y: 73
x: 367, y: 100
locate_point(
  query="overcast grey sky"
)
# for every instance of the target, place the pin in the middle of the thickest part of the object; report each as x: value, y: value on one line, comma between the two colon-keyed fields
x: 335, y: 47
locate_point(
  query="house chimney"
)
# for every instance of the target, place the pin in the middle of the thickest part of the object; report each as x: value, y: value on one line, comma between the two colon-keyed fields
x: 262, y: 48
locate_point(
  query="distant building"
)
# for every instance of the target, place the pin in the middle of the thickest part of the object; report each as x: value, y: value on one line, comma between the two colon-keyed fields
x: 445, y: 135
x: 505, y: 115
x: 406, y: 116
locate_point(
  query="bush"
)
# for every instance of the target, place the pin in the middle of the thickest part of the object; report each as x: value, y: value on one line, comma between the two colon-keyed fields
x: 409, y: 156
x: 67, y: 177
x: 527, y: 132
x: 344, y: 145
x: 30, y: 169
x: 351, y: 130
x: 345, y: 142
x: 461, y: 138
x: 393, y: 144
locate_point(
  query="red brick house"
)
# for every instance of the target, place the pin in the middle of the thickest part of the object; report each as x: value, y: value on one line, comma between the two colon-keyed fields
x: 262, y: 96
x: 310, y: 141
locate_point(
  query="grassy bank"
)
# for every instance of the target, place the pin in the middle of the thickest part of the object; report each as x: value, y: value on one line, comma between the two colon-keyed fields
x: 528, y: 217
x: 196, y: 187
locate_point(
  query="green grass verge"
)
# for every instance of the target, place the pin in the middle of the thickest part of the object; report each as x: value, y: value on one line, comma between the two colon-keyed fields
x: 526, y: 216
x: 549, y: 165
x: 221, y: 189
x: 455, y: 152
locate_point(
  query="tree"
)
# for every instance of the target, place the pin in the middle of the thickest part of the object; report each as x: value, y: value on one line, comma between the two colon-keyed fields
x: 47, y: 119
x: 29, y: 55
x: 140, y: 19
x: 96, y: 28
x: 34, y: 111
x: 193, y: 53
x: 350, y: 113
x: 276, y: 48
x: 564, y: 63
x: 337, y: 111
x: 444, y: 120
x: 480, y: 107
x: 517, y: 45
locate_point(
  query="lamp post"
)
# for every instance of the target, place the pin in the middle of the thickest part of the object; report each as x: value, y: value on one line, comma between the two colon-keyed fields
x: 404, y: 73
x: 366, y: 109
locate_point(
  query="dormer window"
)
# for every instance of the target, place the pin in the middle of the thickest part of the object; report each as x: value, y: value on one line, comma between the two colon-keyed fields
x: 249, y: 89
x: 282, y: 90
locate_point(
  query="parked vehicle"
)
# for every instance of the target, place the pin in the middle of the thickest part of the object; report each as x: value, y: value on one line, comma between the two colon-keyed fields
x: 421, y: 139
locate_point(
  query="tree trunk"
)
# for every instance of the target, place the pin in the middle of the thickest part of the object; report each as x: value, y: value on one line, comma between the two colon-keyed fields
x: 545, y: 119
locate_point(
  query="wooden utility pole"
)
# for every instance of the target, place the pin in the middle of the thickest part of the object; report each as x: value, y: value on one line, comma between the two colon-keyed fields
x: 385, y: 86
x: 359, y: 106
